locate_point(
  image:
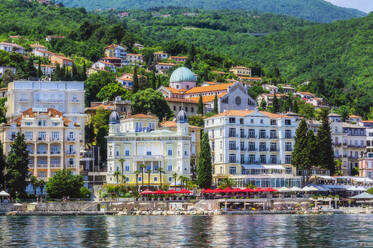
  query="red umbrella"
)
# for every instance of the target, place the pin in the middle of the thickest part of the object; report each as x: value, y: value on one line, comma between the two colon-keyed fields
x: 270, y: 190
x: 259, y: 190
x: 238, y: 190
x: 218, y: 191
x: 172, y: 191
x: 147, y: 192
x: 184, y: 191
x: 248, y: 190
x: 160, y: 192
x: 227, y: 190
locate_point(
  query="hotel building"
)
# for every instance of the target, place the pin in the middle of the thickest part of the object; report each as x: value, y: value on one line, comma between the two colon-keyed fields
x: 253, y: 147
x: 53, y: 141
x: 139, y: 141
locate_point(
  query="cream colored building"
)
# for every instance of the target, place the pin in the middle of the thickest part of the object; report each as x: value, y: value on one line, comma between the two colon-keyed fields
x: 253, y: 147
x: 66, y: 97
x: 138, y: 141
x: 52, y: 140
x: 241, y: 71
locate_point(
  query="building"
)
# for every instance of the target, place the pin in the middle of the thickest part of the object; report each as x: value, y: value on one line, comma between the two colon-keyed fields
x: 268, y: 98
x: 3, y: 92
x: 53, y: 141
x: 113, y: 60
x: 135, y: 59
x: 139, y: 141
x: 164, y: 67
x: 47, y: 70
x: 369, y: 131
x: 123, y: 107
x: 126, y: 80
x: 287, y: 89
x: 61, y: 60
x: 4, y: 68
x: 305, y: 95
x: 104, y: 66
x: 317, y: 102
x: 54, y: 37
x: 42, y: 53
x: 179, y: 59
x: 241, y: 71
x: 253, y: 147
x: 116, y: 51
x: 355, y: 118
x: 183, y: 92
x: 38, y: 47
x: 66, y: 97
x: 161, y: 55
x: 366, y: 167
x: 138, y: 46
x: 270, y: 88
x: 12, y: 47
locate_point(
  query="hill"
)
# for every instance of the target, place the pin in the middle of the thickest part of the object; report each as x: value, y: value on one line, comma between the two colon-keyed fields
x: 313, y: 10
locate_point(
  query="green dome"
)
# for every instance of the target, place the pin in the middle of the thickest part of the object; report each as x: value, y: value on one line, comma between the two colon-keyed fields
x: 182, y: 74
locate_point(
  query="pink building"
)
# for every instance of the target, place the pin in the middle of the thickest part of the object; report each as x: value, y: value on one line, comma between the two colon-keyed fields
x: 366, y: 167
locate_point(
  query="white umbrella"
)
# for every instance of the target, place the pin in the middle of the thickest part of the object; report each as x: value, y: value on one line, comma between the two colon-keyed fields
x: 284, y: 189
x: 309, y: 189
x: 3, y: 193
x: 295, y: 189
x: 17, y: 204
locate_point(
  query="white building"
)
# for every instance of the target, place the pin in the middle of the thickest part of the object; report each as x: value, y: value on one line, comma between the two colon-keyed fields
x: 66, y: 97
x: 253, y: 147
x: 12, y: 47
x: 139, y: 141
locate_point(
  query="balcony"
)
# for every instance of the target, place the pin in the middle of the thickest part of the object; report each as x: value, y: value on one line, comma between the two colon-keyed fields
x: 252, y: 149
x: 242, y: 148
x: 252, y: 136
x: 55, y: 165
x: 263, y: 149
x: 70, y: 139
x: 42, y: 152
x: 263, y: 137
x: 75, y: 101
x: 232, y: 135
x: 70, y: 152
x: 273, y: 137
x: 55, y: 152
x: 233, y: 148
x: 42, y: 165
x: 42, y: 138
x: 55, y: 139
x: 273, y: 149
x: 288, y: 136
x: 242, y: 136
x: 288, y: 149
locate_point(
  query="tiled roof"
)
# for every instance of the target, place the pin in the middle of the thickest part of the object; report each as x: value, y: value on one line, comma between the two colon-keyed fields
x: 206, y: 99
x: 104, y: 106
x: 31, y: 114
x: 173, y: 90
x: 112, y: 58
x: 355, y: 116
x: 172, y: 124
x: 142, y: 116
x: 201, y: 89
x: 134, y: 54
x: 173, y: 99
x: 169, y: 64
x: 37, y: 46
x: 244, y: 113
x: 11, y: 44
x: 251, y: 78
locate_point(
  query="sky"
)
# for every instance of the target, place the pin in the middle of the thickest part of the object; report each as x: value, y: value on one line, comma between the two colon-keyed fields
x: 363, y: 5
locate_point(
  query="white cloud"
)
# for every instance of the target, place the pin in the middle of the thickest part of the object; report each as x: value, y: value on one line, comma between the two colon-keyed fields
x: 363, y: 5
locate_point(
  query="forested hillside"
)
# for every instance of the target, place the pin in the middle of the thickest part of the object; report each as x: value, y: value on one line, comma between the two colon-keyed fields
x: 314, y: 10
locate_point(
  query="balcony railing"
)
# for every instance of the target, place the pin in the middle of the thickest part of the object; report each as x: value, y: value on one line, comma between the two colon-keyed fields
x: 42, y: 165
x: 42, y: 152
x: 288, y: 136
x: 70, y: 139
x: 253, y: 136
x: 55, y: 165
x: 70, y: 152
x: 252, y: 149
x: 263, y: 149
x: 55, y: 152
x: 273, y: 137
x: 232, y: 148
x: 273, y: 150
x: 232, y: 135
x: 42, y: 138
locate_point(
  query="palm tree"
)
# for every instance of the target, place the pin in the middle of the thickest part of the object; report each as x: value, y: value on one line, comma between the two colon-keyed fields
x: 121, y: 161
x: 41, y: 185
x: 35, y: 183
x: 142, y: 167
x: 116, y: 175
x: 149, y: 171
x: 137, y: 172
x: 182, y: 179
x: 160, y: 170
x: 124, y: 179
x: 174, y: 176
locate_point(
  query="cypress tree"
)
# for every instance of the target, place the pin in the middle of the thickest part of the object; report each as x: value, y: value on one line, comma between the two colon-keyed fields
x: 275, y: 104
x: 159, y: 82
x: 39, y: 73
x: 74, y: 72
x: 295, y: 108
x: 154, y: 86
x: 31, y: 70
x: 300, y: 154
x: 263, y: 104
x: 84, y: 75
x: 313, y: 149
x: 17, y: 170
x: 200, y: 105
x: 3, y: 166
x: 216, y: 107
x: 135, y: 86
x: 204, y: 168
x: 324, y: 140
x: 289, y: 103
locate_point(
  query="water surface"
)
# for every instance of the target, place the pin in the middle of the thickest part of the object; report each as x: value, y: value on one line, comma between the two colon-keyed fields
x: 188, y: 231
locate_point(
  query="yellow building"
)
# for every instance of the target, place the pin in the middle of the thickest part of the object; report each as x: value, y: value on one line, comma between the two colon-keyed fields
x: 241, y: 71
x: 138, y: 141
x: 52, y: 140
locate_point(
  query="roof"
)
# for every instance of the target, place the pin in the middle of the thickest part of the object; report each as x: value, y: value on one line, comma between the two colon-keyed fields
x: 106, y: 63
x: 112, y: 58
x: 173, y: 90
x: 37, y: 46
x: 113, y: 45
x: 277, y: 94
x: 126, y: 76
x: 355, y: 116
x: 169, y: 64
x: 206, y: 99
x: 56, y: 36
x: 134, y: 54
x: 306, y: 93
x: 239, y: 67
x: 31, y: 114
x: 172, y: 124
x: 104, y: 106
x: 179, y: 57
x: 251, y: 78
x: 244, y: 113
x: 173, y: 99
x: 160, y: 53
x: 183, y: 74
x: 11, y: 44
x: 142, y: 116
x: 61, y: 56
x: 217, y: 87
x: 363, y: 195
x: 368, y: 121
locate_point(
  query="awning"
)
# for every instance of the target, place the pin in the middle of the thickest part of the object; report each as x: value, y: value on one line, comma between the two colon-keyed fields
x: 274, y: 167
x: 364, y: 195
x: 3, y: 193
x: 253, y: 166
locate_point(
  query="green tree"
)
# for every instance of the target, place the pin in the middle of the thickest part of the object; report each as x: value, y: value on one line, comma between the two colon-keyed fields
x: 3, y: 165
x: 275, y: 104
x: 117, y: 175
x: 39, y: 72
x: 263, y: 104
x: 196, y: 120
x: 17, y: 171
x: 149, y: 172
x: 216, y: 104
x: 307, y: 110
x: 227, y: 183
x: 161, y: 171
x: 324, y: 140
x: 200, y: 106
x: 175, y: 176
x: 64, y: 184
x: 137, y: 173
x: 121, y: 161
x: 313, y: 149
x: 300, y: 155
x: 89, y: 133
x: 142, y: 167
x: 135, y: 86
x: 95, y: 83
x: 154, y: 79
x: 84, y: 193
x: 152, y: 101
x: 295, y: 108
x: 204, y: 168
x: 112, y: 90
x: 34, y: 183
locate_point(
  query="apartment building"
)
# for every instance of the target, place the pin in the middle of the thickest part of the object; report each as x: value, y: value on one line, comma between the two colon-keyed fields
x: 253, y: 147
x: 53, y: 141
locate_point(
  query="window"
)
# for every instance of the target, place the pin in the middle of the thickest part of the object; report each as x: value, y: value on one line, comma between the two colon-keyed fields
x: 71, y: 149
x: 263, y: 159
x: 252, y: 121
x: 242, y: 133
x: 28, y: 123
x: 30, y: 149
x: 242, y: 158
x: 251, y: 159
x: 127, y: 168
x: 42, y: 123
x: 42, y: 135
x: 232, y: 132
x: 232, y: 158
x: 287, y: 122
x: 242, y: 146
x: 251, y: 133
x: 155, y: 179
x: 42, y: 174
x: 70, y: 136
x: 273, y: 134
x: 273, y: 159
x: 232, y: 120
x: 262, y: 134
x: 42, y: 149
x: 148, y: 167
x: 273, y: 147
x: 287, y: 159
x: 55, y: 135
x: 169, y: 167
x: 232, y: 170
x: 169, y: 152
x: 288, y: 134
x: 148, y: 153
x: 241, y: 121
x: 288, y: 147
x: 28, y: 135
x: 140, y: 179
x: 273, y: 122
x: 55, y: 149
x: 192, y: 110
x: 262, y: 146
x: 127, y: 153
x: 251, y: 146
x: 170, y: 179
x: 232, y: 145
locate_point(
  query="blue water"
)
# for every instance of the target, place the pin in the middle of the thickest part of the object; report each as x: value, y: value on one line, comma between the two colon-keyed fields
x: 188, y: 231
